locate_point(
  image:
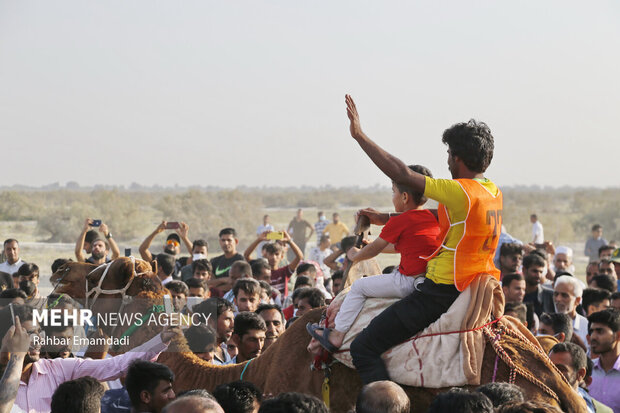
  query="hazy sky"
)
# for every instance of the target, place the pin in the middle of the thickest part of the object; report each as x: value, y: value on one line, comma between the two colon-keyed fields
x: 251, y: 92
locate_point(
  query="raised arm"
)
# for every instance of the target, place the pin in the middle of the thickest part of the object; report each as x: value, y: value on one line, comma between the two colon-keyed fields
x: 79, y: 244
x: 15, y: 342
x: 299, y: 255
x: 330, y: 260
x: 183, y: 232
x: 247, y: 254
x: 390, y: 165
x: 113, y: 246
x: 144, y: 247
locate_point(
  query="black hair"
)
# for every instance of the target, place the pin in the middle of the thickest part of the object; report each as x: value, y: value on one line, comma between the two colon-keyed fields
x: 510, y: 248
x: 315, y: 297
x: 264, y: 285
x: 207, y: 306
x: 609, y: 317
x: 519, y: 309
x: 596, y: 227
x: 560, y: 323
x: 615, y: 295
x: 338, y: 275
x: 258, y: 266
x: 9, y: 240
x: 81, y: 395
x: 59, y: 262
x: 145, y: 375
x: 248, y: 285
x: 578, y: 356
x: 418, y: 197
x: 238, y: 396
x: 324, y: 237
x: 303, y: 267
x: 528, y: 407
x: 178, y: 287
x: 202, y: 265
x: 273, y: 248
x: 199, y: 336
x: 228, y: 231
x: 11, y: 293
x: 509, y: 278
x: 560, y: 274
x: 200, y: 243
x: 166, y: 262
x: 301, y: 281
x: 606, y: 282
x: 594, y: 296
x: 501, y: 393
x: 28, y: 269
x: 55, y: 300
x: 461, y: 401
x: 293, y: 403
x: 605, y: 248
x: 91, y: 236
x: 246, y: 321
x: 268, y: 307
x: 472, y: 142
x: 533, y: 260
x: 197, y: 283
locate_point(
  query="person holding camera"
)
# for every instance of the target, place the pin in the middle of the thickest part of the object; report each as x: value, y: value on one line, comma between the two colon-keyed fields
x: 99, y: 248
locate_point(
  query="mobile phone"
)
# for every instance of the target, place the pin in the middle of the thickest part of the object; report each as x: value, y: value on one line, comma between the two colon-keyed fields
x: 127, y: 252
x: 12, y: 314
x: 275, y: 235
x: 172, y: 225
x: 96, y: 223
x: 168, y: 304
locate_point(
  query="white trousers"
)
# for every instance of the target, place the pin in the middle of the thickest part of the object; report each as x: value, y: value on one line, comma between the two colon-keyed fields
x: 393, y: 285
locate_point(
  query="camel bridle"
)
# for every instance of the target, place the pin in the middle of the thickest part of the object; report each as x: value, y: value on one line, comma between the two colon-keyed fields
x: 98, y: 290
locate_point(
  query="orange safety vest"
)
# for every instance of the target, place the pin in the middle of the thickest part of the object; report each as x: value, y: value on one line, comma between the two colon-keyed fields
x: 475, y: 250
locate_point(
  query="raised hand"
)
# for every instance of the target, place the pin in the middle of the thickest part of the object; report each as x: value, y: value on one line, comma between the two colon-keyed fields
x: 161, y: 227
x: 103, y: 228
x: 183, y: 229
x: 16, y: 340
x: 354, y: 118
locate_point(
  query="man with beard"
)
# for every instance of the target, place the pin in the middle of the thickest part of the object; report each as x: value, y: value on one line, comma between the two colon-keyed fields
x: 571, y: 360
x: 40, y: 377
x: 604, y: 333
x: 274, y: 320
x: 540, y: 296
x: 220, y: 316
x: 249, y: 335
x: 98, y: 255
x: 13, y: 260
x: 563, y: 259
x: 567, y: 292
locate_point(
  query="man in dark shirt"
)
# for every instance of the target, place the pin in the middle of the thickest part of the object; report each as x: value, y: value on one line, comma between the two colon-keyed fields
x: 540, y: 296
x: 222, y: 263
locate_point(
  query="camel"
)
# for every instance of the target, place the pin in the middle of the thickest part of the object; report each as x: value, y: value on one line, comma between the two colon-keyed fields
x: 285, y: 365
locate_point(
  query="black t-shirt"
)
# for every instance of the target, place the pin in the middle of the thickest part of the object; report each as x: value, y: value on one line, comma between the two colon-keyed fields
x: 221, y: 265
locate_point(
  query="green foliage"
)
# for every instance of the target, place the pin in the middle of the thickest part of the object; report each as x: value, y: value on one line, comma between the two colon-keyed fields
x: 567, y: 214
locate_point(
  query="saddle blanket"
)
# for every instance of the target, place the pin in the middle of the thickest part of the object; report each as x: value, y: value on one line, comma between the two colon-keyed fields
x: 443, y: 360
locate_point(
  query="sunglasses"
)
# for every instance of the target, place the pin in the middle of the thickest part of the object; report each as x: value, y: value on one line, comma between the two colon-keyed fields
x: 172, y: 242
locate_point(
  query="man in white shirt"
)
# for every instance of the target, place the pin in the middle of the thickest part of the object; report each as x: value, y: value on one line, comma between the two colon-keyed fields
x: 567, y: 292
x: 11, y: 252
x: 538, y: 235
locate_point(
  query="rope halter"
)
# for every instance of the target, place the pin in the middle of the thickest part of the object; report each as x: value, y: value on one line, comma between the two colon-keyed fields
x: 98, y: 290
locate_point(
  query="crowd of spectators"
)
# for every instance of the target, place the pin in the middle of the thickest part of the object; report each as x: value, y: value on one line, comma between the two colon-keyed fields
x: 259, y: 292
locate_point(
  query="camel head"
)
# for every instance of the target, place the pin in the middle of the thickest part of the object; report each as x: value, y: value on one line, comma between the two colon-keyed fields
x: 70, y: 279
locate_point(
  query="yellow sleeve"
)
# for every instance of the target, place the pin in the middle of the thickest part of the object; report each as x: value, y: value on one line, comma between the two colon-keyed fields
x: 447, y: 192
